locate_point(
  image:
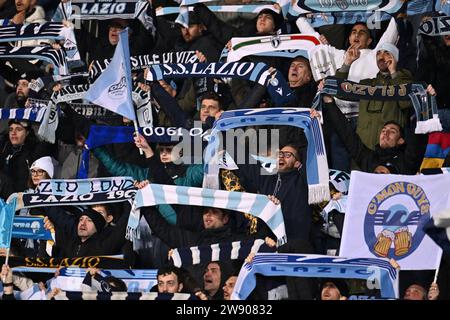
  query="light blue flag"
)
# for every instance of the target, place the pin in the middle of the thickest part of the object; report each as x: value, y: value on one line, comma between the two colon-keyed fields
x: 6, y: 222
x: 112, y: 89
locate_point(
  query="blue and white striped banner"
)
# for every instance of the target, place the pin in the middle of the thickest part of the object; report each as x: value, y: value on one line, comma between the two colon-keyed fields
x: 73, y: 295
x: 379, y: 273
x: 258, y: 205
x: 34, y: 114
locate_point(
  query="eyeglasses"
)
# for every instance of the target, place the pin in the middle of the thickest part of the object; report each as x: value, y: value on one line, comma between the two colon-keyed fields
x: 286, y: 154
x: 38, y: 172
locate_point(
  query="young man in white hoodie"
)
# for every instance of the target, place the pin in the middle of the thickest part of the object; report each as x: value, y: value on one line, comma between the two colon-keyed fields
x: 325, y: 60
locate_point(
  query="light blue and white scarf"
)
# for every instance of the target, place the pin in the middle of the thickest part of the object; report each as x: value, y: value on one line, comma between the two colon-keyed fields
x: 379, y: 272
x: 258, y: 205
x: 71, y: 279
x: 224, y: 251
x: 74, y: 295
x: 316, y: 163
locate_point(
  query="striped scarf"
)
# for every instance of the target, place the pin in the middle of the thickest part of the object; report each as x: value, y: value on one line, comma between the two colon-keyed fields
x: 437, y: 150
x: 76, y: 295
x: 78, y: 192
x: 48, y: 30
x: 277, y: 86
x: 56, y: 57
x: 237, y: 250
x: 142, y: 61
x: 34, y: 114
x: 242, y: 47
x: 424, y: 104
x: 100, y: 10
x: 316, y: 163
x: 304, y: 265
x: 137, y: 280
x: 258, y: 205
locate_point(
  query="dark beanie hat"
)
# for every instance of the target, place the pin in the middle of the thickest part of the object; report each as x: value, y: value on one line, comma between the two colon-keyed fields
x: 96, y: 218
x: 339, y: 283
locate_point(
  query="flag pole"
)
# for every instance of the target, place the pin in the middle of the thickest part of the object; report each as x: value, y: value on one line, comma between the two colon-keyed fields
x: 136, y: 131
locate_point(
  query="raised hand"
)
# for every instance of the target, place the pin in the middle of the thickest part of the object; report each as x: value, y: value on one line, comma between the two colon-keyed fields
x: 353, y: 53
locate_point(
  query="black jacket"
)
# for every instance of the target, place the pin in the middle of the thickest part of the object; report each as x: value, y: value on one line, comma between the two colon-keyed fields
x: 405, y: 158
x: 290, y: 188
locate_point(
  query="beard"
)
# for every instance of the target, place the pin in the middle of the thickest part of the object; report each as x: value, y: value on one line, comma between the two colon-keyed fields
x: 20, y: 98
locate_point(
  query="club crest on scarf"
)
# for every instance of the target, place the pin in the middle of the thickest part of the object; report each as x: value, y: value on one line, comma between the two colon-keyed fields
x: 275, y: 41
x: 394, y: 220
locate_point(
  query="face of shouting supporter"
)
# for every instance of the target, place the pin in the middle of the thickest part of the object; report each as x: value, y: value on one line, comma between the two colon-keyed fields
x: 330, y: 292
x: 113, y: 34
x: 168, y: 283
x: 86, y: 228
x: 211, y: 278
x: 299, y: 73
x: 228, y: 287
x: 288, y: 159
x: 360, y: 36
